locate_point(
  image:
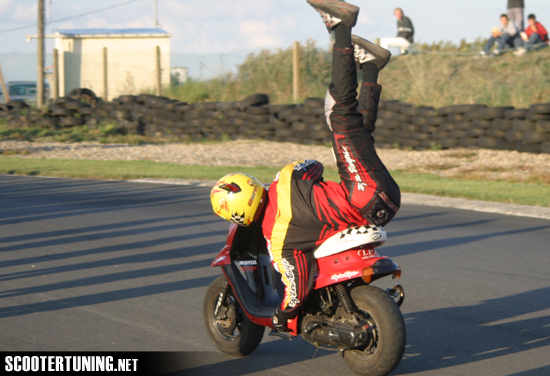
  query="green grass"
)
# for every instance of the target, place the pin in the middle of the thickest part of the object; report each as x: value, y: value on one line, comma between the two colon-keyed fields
x: 537, y: 194
x: 106, y: 133
x: 122, y: 169
x: 508, y: 192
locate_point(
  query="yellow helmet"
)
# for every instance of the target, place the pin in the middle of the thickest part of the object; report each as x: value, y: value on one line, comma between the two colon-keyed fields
x: 238, y: 198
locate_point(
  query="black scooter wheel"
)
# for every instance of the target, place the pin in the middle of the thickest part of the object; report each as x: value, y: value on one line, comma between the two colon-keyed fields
x: 231, y: 331
x: 386, y: 345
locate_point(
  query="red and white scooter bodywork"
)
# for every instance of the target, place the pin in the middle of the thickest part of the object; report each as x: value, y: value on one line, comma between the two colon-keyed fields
x: 345, y: 257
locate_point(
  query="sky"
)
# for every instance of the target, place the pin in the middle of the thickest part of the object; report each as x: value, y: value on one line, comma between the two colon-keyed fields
x: 221, y: 33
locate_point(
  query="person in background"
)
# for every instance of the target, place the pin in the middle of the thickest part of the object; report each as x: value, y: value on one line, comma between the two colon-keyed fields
x: 405, y: 33
x: 504, y: 35
x: 534, y: 36
x: 515, y: 13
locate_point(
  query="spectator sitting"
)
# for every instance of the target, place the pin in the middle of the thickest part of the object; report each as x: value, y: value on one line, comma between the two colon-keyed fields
x: 534, y: 36
x: 405, y: 33
x: 504, y: 35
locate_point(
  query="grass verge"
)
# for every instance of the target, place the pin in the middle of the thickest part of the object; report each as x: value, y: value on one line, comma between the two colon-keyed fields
x: 497, y: 191
x: 105, y: 134
x: 87, y: 169
x: 537, y: 194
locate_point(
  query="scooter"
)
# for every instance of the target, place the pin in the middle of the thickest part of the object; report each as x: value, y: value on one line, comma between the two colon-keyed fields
x: 343, y: 312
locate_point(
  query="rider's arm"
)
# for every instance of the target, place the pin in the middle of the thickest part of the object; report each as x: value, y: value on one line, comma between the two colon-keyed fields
x: 308, y: 169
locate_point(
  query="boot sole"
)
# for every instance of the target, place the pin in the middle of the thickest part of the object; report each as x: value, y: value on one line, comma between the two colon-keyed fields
x: 336, y: 8
x: 374, y: 49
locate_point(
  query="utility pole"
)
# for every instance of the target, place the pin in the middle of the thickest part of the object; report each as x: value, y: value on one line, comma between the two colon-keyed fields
x: 4, y: 88
x: 40, y: 62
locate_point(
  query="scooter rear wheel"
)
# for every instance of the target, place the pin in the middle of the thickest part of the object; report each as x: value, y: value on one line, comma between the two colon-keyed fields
x: 386, y: 345
x: 235, y: 334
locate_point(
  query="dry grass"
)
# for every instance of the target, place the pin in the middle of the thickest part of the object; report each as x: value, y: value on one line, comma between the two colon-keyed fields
x: 435, y: 80
x: 440, y: 166
x: 460, y: 153
x: 15, y: 152
x: 420, y: 79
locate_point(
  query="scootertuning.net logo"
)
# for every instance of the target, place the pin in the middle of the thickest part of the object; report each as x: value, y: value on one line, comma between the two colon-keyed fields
x: 68, y: 364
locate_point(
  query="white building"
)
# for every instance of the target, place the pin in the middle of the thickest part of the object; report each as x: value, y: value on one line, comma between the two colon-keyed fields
x: 112, y: 62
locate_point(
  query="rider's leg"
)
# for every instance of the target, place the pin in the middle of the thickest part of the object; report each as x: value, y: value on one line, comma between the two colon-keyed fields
x: 369, y: 186
x: 295, y: 266
x: 297, y: 276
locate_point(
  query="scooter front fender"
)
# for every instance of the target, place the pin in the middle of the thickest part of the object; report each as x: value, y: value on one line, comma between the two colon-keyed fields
x: 223, y: 258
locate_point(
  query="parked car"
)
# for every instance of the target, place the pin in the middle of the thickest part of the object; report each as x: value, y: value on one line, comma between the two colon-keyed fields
x: 23, y: 90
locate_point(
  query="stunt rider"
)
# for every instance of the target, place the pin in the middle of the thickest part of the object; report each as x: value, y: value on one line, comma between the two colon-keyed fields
x: 301, y: 210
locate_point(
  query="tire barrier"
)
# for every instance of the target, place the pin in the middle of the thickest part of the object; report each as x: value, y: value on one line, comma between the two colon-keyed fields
x: 399, y: 124
x: 467, y: 126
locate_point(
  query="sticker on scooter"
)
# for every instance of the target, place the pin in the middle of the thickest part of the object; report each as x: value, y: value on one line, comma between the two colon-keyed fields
x: 367, y: 253
x: 346, y: 275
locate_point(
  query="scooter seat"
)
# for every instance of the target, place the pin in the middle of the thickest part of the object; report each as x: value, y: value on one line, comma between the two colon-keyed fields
x: 374, y: 236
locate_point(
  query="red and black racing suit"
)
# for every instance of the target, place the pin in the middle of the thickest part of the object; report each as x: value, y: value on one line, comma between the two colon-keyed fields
x: 303, y: 210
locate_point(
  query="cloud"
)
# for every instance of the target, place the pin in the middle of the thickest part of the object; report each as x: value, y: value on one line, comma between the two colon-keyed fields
x: 95, y: 22
x: 4, y: 4
x: 260, y: 34
x: 208, y: 26
x: 230, y: 11
x: 25, y: 13
x: 211, y: 26
x: 365, y: 19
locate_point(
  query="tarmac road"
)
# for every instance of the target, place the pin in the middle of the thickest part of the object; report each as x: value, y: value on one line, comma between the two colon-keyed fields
x: 115, y: 266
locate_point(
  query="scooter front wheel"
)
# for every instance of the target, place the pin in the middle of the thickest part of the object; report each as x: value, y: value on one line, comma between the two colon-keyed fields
x: 387, y: 337
x: 226, y: 324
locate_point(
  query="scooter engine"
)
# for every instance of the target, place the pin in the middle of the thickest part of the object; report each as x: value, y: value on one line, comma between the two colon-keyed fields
x: 322, y: 331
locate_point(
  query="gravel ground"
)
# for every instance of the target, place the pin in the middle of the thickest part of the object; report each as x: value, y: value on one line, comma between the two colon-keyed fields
x: 474, y: 163
x: 486, y: 164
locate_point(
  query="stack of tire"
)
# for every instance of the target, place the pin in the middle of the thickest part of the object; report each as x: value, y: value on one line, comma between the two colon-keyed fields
x: 77, y: 110
x: 18, y: 114
x: 65, y: 112
x: 161, y: 117
x: 251, y: 118
x: 470, y: 126
x: 482, y: 126
x: 70, y: 111
x: 121, y: 112
x: 302, y: 124
x: 399, y: 124
x: 529, y: 129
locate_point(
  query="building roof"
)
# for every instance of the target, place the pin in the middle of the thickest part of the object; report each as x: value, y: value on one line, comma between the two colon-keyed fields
x: 112, y: 32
